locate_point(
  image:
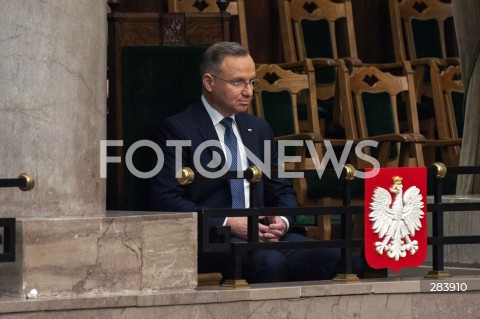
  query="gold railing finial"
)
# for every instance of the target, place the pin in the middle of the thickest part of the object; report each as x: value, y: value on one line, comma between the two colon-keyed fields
x: 187, y: 176
x: 441, y: 169
x: 256, y: 174
x: 350, y: 172
x: 29, y: 182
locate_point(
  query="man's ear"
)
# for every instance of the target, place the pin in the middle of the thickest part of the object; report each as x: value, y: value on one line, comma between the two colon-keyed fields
x: 207, y: 82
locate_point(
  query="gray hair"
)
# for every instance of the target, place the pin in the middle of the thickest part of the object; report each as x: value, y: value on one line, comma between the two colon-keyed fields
x: 214, y: 55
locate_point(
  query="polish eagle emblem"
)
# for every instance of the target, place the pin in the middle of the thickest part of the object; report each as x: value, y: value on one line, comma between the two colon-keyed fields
x: 396, y: 222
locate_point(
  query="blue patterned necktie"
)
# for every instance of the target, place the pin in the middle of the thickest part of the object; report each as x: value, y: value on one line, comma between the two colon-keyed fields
x: 236, y: 185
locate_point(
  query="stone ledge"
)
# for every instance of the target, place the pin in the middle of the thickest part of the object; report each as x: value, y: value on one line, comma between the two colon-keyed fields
x: 72, y: 256
x: 220, y: 295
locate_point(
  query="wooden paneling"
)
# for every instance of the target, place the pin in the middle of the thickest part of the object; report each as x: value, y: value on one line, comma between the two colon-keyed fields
x: 372, y: 27
x: 142, y: 5
x: 263, y: 31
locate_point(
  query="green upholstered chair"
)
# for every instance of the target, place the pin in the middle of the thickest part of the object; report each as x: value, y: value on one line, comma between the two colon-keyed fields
x: 370, y: 96
x: 371, y: 99
x: 452, y: 91
x: 452, y: 87
x: 422, y: 31
x: 447, y: 78
x: 276, y: 99
x: 320, y: 30
x: 157, y: 81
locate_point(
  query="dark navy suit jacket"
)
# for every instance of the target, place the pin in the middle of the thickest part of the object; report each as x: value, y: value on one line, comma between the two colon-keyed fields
x: 194, y: 124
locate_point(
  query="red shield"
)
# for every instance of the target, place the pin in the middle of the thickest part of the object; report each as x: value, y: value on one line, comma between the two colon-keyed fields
x: 396, y: 218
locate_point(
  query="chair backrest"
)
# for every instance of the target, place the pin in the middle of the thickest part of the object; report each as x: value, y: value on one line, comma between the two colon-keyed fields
x: 370, y: 97
x: 419, y: 29
x: 452, y: 86
x: 312, y: 29
x: 277, y: 97
x: 322, y: 30
x: 448, y: 75
x: 157, y: 81
x: 235, y: 8
x: 423, y: 32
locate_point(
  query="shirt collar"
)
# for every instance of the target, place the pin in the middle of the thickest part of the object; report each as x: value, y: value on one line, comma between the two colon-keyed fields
x: 214, y: 114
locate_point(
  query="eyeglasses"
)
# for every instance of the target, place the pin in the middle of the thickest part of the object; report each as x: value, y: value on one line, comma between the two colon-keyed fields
x: 239, y: 83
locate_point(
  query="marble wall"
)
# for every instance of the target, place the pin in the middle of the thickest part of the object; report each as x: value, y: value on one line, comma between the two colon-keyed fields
x: 98, y: 255
x: 53, y: 105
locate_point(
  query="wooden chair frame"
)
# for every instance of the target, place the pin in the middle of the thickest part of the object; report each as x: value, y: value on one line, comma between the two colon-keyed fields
x: 368, y: 78
x: 449, y: 78
x: 402, y: 13
x: 235, y: 8
x: 278, y: 78
x: 357, y: 80
x: 295, y: 84
x: 292, y: 12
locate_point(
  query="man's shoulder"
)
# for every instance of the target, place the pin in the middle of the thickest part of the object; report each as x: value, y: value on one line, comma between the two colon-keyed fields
x: 252, y: 120
x: 186, y: 114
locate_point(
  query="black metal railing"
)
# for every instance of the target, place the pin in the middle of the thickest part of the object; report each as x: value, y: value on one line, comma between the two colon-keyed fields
x: 218, y: 239
x: 8, y: 239
x: 24, y: 182
x: 437, y: 208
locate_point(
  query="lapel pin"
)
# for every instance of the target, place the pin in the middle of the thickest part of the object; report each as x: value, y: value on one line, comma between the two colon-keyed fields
x: 249, y: 130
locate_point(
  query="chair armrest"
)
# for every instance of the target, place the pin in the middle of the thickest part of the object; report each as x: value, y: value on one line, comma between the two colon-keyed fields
x: 423, y: 61
x: 419, y: 138
x: 323, y: 61
x: 316, y: 138
x: 403, y: 138
x: 443, y: 142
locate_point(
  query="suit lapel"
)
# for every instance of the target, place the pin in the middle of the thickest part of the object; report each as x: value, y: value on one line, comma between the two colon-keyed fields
x: 204, y: 123
x: 206, y: 130
x: 248, y: 134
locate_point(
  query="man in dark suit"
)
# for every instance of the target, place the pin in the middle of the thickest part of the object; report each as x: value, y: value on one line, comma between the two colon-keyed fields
x: 228, y: 79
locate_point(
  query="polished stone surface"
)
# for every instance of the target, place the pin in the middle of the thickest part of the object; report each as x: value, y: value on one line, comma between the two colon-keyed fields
x: 97, y: 255
x: 387, y: 298
x: 53, y: 106
x: 461, y: 224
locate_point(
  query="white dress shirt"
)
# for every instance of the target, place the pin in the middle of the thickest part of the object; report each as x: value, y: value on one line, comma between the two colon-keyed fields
x: 216, y: 117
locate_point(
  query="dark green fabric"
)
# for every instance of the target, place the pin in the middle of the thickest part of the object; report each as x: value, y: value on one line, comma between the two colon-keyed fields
x: 332, y: 187
x: 328, y: 187
x: 316, y: 35
x: 425, y: 109
x: 457, y: 99
x: 305, y: 220
x: 278, y: 111
x: 427, y: 41
x: 427, y: 38
x: 318, y: 44
x: 158, y: 81
x: 379, y: 118
x: 325, y: 109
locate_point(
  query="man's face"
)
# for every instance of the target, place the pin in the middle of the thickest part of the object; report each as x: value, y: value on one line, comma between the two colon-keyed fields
x: 224, y: 96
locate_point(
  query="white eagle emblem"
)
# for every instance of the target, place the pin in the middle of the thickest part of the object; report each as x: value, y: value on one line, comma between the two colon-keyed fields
x: 398, y: 222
